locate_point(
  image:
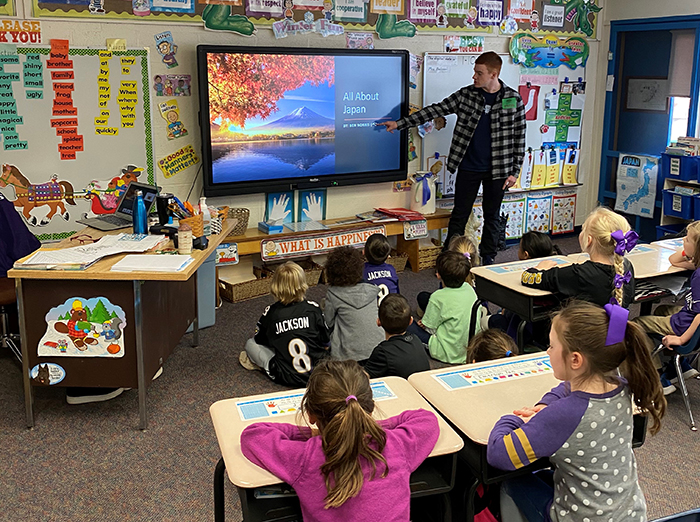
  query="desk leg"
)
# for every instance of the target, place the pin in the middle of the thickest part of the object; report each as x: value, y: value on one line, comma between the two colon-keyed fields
x: 469, y: 496
x: 219, y: 503
x: 28, y: 391
x: 140, y: 369
x: 521, y: 336
x: 195, y: 323
x: 409, y: 247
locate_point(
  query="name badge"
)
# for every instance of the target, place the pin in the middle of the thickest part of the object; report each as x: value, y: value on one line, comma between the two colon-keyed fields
x: 509, y: 103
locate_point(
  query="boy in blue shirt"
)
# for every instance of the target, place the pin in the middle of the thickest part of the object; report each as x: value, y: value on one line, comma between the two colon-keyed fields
x: 377, y: 271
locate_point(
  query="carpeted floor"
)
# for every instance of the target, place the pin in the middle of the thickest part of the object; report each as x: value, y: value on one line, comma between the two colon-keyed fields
x: 91, y: 463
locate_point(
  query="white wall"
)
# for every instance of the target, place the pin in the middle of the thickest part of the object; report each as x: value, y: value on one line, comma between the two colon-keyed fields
x: 342, y: 201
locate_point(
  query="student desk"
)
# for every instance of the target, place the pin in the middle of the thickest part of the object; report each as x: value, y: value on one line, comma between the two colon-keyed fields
x: 159, y: 307
x: 474, y: 409
x: 500, y: 284
x: 648, y: 260
x: 435, y: 476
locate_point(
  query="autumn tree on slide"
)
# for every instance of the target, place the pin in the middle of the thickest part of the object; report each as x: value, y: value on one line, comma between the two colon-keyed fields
x: 248, y: 86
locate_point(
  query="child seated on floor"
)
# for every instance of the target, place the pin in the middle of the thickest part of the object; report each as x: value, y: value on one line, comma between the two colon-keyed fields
x: 401, y: 353
x: 351, y: 306
x: 445, y: 325
x: 464, y: 246
x: 377, y: 271
x: 490, y: 344
x: 606, y: 237
x: 291, y: 335
x: 678, y: 324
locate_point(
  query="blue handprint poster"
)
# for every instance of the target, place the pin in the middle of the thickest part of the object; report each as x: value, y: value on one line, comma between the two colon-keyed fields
x: 312, y: 205
x: 279, y: 207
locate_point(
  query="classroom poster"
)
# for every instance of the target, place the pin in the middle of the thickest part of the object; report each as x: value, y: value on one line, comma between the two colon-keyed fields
x: 514, y: 207
x: 570, y: 169
x: 553, y: 168
x: 539, y: 169
x: 636, y: 184
x: 563, y: 115
x: 563, y: 212
x: 539, y: 212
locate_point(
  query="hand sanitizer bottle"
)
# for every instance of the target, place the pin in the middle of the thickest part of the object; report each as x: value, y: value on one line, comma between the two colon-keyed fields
x: 206, y: 215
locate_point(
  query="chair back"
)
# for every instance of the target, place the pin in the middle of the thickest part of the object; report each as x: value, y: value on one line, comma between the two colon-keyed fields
x: 476, y: 316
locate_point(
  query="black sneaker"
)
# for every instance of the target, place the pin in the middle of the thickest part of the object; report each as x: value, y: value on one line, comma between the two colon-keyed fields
x: 87, y: 395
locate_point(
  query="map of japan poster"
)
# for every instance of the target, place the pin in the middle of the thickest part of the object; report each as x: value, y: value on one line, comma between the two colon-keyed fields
x: 636, y: 184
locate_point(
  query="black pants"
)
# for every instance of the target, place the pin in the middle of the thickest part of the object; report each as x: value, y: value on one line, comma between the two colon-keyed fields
x: 466, y: 190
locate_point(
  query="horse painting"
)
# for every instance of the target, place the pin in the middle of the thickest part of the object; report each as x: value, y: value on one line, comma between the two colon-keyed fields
x: 29, y: 196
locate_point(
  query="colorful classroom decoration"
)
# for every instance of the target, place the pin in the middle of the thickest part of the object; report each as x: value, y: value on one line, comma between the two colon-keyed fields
x: 316, y: 243
x: 563, y: 212
x: 84, y: 327
x: 514, y: 206
x: 68, y: 110
x: 636, y: 184
x: 569, y: 175
x: 553, y: 168
x: 548, y: 51
x: 539, y: 212
x: 389, y: 18
x: 18, y: 31
x: 563, y: 118
x: 539, y: 169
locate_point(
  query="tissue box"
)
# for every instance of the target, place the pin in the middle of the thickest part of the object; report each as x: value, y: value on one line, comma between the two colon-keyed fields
x: 270, y: 228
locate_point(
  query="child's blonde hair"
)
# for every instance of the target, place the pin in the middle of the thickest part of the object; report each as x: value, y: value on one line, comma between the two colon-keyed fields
x: 464, y: 245
x: 339, y: 396
x: 583, y: 327
x: 288, y: 283
x: 600, y: 224
x: 490, y: 344
x: 693, y: 233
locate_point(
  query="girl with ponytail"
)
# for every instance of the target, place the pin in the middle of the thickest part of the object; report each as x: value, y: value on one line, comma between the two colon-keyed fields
x: 584, y: 425
x: 351, y: 468
x: 605, y: 237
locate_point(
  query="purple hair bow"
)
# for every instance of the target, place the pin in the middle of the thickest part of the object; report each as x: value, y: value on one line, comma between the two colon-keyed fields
x: 618, y: 323
x: 622, y: 279
x: 624, y: 242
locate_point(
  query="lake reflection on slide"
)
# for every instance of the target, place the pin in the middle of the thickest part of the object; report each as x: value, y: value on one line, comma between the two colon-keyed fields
x: 272, y: 159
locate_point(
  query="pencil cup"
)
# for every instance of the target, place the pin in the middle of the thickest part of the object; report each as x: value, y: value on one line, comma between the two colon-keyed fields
x: 197, y: 224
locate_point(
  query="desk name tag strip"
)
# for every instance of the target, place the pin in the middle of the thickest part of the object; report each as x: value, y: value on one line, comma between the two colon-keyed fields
x: 523, y: 265
x: 289, y: 404
x: 671, y: 244
x: 504, y: 371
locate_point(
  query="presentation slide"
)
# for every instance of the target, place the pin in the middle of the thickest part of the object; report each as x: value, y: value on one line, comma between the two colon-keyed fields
x: 294, y: 116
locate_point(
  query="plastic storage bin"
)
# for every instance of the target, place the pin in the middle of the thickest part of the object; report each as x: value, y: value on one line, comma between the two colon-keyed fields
x: 670, y: 229
x: 696, y: 207
x: 678, y: 205
x: 684, y: 168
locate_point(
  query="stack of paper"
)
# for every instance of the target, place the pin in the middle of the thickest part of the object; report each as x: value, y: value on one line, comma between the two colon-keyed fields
x: 84, y: 255
x: 162, y: 263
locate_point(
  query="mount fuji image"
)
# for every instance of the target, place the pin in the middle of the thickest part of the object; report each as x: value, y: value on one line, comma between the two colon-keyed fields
x: 300, y: 120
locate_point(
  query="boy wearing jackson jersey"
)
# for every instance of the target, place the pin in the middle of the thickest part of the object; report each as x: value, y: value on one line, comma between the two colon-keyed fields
x: 291, y: 335
x: 377, y: 271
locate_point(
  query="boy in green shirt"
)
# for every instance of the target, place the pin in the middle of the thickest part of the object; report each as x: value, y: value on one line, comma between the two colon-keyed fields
x: 445, y: 325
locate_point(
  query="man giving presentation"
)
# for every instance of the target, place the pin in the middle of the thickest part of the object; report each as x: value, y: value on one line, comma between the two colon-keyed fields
x: 487, y: 147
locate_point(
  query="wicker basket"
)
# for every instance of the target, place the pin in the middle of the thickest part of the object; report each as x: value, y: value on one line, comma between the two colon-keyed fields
x: 427, y: 256
x: 242, y: 215
x: 197, y: 224
x: 398, y: 260
x: 245, y: 290
x: 311, y: 269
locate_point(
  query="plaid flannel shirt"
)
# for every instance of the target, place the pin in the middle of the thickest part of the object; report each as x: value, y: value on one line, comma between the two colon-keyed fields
x: 507, y: 127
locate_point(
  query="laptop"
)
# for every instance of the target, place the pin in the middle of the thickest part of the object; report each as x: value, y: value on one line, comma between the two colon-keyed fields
x: 123, y: 217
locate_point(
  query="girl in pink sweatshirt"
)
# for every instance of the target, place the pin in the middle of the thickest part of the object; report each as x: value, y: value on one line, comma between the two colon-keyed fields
x: 352, y: 468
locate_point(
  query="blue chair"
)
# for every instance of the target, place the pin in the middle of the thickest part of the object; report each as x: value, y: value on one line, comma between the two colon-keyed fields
x: 688, y: 516
x: 692, y: 347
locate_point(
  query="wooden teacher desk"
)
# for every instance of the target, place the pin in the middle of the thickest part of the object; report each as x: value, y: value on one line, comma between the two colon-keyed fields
x: 435, y: 476
x: 249, y: 243
x: 473, y: 403
x: 158, y: 306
